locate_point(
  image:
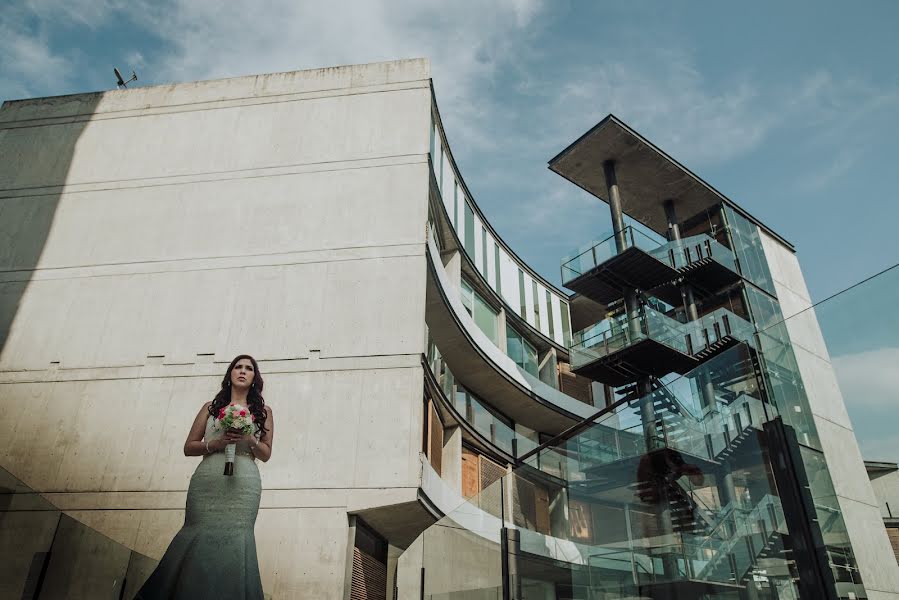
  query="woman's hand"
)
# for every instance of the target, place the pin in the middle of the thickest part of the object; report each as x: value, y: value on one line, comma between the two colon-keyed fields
x: 233, y: 436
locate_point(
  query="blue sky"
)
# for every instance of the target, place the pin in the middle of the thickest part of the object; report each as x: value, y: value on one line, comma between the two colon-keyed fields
x: 790, y: 109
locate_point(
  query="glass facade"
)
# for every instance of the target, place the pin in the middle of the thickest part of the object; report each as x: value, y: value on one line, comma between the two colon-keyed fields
x: 484, y: 258
x: 709, y: 485
x: 49, y: 554
x: 483, y: 314
x: 522, y: 352
x: 499, y: 279
x: 746, y: 242
x: 492, y: 425
x: 475, y: 238
x: 523, y: 310
x: 469, y: 231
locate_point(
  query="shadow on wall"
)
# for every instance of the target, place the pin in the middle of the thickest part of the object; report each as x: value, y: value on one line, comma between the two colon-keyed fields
x: 36, y: 156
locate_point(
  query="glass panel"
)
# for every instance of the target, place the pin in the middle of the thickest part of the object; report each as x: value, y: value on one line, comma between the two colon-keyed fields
x: 46, y: 551
x: 486, y: 318
x: 490, y: 423
x: 566, y: 324
x: 597, y: 252
x: 549, y: 314
x: 522, y: 352
x: 455, y: 216
x: 618, y: 332
x: 499, y: 275
x: 522, y: 311
x: 461, y: 555
x: 536, y: 298
x: 746, y: 241
x: 549, y: 372
x: 484, y: 251
x: 469, y: 231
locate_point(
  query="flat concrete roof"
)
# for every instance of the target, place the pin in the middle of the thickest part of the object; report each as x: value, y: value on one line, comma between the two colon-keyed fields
x: 646, y: 176
x: 876, y: 465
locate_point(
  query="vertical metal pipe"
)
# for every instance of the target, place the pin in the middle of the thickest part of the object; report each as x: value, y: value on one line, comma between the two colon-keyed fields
x: 671, y: 216
x: 631, y: 303
x: 615, y: 205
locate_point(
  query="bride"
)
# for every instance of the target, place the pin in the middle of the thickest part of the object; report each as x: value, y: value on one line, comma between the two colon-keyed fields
x: 214, y: 553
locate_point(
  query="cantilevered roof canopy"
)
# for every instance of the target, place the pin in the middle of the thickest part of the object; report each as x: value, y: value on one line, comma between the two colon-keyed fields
x: 646, y: 176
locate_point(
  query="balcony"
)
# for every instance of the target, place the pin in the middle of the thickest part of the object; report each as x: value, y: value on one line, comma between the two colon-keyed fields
x: 618, y: 351
x: 602, y: 271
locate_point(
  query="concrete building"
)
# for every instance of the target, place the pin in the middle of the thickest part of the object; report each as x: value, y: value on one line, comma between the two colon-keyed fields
x: 885, y: 482
x: 415, y: 364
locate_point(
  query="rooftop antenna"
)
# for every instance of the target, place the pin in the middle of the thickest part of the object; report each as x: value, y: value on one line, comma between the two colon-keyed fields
x: 120, y: 82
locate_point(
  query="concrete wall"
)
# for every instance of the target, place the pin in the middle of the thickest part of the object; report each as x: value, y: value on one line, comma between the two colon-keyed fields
x: 150, y: 235
x: 886, y: 489
x: 858, y: 503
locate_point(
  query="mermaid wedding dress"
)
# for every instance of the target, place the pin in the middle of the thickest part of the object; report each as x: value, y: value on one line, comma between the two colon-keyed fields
x: 214, y: 553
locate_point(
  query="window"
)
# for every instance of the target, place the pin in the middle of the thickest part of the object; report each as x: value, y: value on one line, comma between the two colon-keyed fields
x: 521, y: 351
x: 440, y: 174
x: 746, y: 241
x: 484, y: 250
x: 469, y: 231
x: 483, y: 314
x: 536, y: 298
x: 549, y: 314
x: 455, y: 216
x: 433, y: 129
x: 566, y: 324
x: 522, y: 311
x: 499, y: 275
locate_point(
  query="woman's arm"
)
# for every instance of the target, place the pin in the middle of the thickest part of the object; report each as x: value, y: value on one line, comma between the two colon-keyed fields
x: 194, y: 446
x: 263, y: 449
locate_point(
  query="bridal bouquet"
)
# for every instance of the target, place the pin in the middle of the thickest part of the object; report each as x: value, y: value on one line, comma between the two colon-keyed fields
x: 238, y: 419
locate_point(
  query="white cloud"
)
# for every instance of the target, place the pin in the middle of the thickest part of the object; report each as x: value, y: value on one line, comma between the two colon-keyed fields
x: 27, y: 64
x: 665, y: 97
x: 467, y: 42
x: 869, y: 379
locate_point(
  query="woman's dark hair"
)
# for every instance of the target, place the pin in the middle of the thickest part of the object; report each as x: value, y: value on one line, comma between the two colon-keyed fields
x: 255, y: 401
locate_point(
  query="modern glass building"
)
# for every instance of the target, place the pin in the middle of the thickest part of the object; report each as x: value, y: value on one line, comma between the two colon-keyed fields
x: 450, y: 424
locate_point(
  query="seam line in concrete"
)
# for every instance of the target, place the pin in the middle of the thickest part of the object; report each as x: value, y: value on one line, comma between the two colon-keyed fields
x: 221, y: 104
x: 65, y: 189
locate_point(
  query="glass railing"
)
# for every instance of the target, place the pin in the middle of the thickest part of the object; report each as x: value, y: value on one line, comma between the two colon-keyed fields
x: 593, y: 254
x: 619, y: 332
x: 678, y: 488
x: 676, y: 254
x: 714, y: 327
x: 689, y: 250
x: 470, y: 408
x: 594, y: 501
x: 49, y: 554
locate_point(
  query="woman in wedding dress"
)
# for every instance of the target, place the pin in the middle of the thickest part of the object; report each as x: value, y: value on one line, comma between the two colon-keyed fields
x: 214, y: 553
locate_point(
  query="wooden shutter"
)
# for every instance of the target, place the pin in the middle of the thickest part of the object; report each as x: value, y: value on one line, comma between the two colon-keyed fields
x: 470, y: 477
x: 574, y: 385
x: 541, y: 509
x: 369, y: 577
x: 435, y: 438
x: 893, y: 533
